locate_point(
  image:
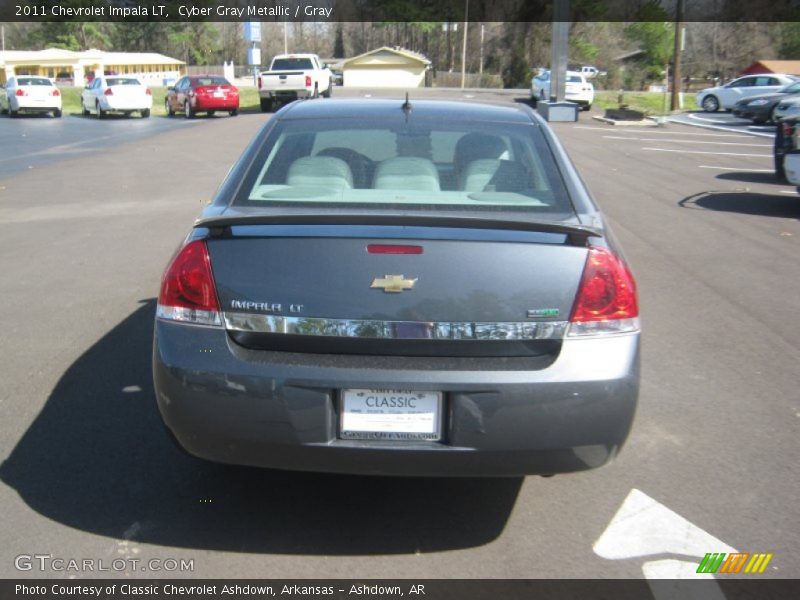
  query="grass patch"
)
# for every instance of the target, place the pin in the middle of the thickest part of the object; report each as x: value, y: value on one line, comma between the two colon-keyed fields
x: 650, y: 103
x: 71, y: 100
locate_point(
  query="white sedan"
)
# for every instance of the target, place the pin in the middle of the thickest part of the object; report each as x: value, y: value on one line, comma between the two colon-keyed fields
x: 577, y: 89
x: 116, y: 94
x: 726, y: 96
x: 30, y: 94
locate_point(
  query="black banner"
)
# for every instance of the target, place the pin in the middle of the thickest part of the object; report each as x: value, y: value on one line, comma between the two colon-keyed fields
x: 385, y: 589
x: 395, y: 10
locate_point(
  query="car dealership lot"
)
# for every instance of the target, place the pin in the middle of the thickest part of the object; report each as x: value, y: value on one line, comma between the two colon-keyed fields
x: 87, y: 227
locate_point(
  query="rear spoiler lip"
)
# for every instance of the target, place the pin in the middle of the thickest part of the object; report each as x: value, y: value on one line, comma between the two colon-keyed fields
x: 578, y: 234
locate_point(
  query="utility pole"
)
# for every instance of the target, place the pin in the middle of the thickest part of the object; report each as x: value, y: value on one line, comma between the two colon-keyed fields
x: 464, y: 46
x: 676, y: 58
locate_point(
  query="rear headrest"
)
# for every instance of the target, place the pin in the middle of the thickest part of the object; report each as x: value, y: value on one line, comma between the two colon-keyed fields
x: 490, y: 174
x: 320, y: 171
x: 475, y: 146
x: 407, y: 173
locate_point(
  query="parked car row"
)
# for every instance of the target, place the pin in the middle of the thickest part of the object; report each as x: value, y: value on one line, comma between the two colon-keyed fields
x: 123, y: 95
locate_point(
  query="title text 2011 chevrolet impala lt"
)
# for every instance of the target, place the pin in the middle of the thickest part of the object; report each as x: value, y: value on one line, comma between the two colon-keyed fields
x: 385, y: 287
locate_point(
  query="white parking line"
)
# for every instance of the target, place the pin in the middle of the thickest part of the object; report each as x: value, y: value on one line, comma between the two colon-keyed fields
x: 728, y: 135
x: 619, y: 137
x: 736, y: 169
x: 716, y: 127
x: 699, y: 118
x: 701, y: 152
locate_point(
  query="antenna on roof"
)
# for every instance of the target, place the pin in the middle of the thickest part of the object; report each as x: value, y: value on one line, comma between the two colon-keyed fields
x: 406, y: 105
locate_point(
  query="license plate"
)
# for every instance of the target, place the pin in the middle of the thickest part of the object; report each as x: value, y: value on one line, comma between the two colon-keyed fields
x: 390, y: 415
x: 219, y: 94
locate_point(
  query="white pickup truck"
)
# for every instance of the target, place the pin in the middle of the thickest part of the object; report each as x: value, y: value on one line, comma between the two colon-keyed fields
x: 293, y: 76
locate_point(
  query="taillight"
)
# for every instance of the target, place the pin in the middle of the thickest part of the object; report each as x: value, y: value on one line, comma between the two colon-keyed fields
x: 109, y: 92
x: 787, y: 129
x: 187, y: 289
x: 148, y: 92
x: 308, y: 80
x: 21, y: 92
x: 606, y: 301
x: 259, y: 82
x: 55, y: 93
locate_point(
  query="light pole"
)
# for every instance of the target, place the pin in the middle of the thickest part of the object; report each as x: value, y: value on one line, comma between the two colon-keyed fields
x: 464, y: 46
x: 676, y: 64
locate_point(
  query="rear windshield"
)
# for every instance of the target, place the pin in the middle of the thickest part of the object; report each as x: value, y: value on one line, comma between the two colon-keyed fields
x: 211, y: 80
x: 291, y: 64
x: 122, y: 81
x: 422, y: 164
x: 34, y: 81
x: 574, y: 78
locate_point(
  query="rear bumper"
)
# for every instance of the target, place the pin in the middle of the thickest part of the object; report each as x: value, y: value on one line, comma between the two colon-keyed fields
x: 284, y: 94
x: 21, y: 103
x: 109, y: 103
x: 581, y: 98
x: 201, y: 103
x: 228, y: 404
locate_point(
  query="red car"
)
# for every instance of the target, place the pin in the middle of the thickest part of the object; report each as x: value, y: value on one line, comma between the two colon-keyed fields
x: 202, y: 93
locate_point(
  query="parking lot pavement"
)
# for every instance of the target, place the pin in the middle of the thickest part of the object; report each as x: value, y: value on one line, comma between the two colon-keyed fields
x: 710, y: 464
x: 39, y: 140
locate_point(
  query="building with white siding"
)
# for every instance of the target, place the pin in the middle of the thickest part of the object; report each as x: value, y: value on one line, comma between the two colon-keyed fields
x: 77, y: 67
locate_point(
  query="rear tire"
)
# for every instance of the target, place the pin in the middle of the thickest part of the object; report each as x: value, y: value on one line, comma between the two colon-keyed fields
x: 187, y: 110
x: 168, y: 108
x: 587, y: 108
x: 145, y: 113
x: 57, y: 113
x: 234, y: 112
x: 211, y: 113
x: 710, y: 104
x: 13, y: 113
x: 84, y: 111
x: 99, y: 112
x: 329, y: 92
x: 266, y: 104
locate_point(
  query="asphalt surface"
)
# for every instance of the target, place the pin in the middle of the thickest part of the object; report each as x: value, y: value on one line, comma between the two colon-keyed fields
x: 87, y: 471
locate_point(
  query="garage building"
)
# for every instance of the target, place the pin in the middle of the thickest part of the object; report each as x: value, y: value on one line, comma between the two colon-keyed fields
x: 386, y: 68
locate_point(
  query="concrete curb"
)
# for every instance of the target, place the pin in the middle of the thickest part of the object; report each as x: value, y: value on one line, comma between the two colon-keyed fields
x: 646, y: 122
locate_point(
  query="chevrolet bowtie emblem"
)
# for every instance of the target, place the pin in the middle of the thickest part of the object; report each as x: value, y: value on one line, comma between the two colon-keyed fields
x: 393, y: 283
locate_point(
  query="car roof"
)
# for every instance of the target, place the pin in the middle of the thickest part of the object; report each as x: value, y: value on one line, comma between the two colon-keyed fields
x: 426, y: 109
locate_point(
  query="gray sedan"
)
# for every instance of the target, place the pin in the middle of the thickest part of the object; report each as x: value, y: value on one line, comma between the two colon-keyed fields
x: 400, y: 288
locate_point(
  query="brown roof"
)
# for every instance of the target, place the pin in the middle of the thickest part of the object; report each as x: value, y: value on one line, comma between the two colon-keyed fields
x: 789, y: 67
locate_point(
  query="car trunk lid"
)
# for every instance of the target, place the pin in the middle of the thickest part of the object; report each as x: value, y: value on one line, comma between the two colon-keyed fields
x: 416, y: 289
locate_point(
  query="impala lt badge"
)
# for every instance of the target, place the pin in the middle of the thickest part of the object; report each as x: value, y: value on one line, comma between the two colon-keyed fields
x: 393, y: 283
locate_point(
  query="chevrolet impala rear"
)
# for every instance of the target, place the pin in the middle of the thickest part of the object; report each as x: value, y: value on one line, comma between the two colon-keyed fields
x: 400, y: 288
